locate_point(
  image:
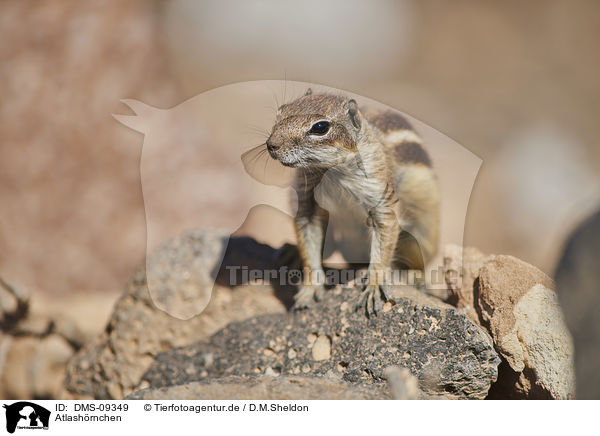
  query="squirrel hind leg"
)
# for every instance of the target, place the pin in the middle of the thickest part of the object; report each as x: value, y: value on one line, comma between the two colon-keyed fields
x: 408, y: 253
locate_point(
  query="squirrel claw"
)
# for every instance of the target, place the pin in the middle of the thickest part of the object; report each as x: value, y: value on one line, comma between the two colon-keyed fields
x: 371, y: 300
x: 306, y: 297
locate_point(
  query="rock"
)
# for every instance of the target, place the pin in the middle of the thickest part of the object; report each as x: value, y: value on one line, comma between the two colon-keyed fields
x: 245, y: 332
x: 517, y: 303
x: 321, y: 349
x: 111, y: 366
x: 266, y: 388
x: 461, y: 267
x: 35, y: 345
x: 32, y: 367
x: 181, y: 274
x: 448, y: 353
x: 578, y: 286
x: 403, y: 384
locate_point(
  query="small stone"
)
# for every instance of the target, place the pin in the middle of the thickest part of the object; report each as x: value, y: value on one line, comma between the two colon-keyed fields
x: 271, y: 372
x: 403, y: 384
x: 321, y: 349
x: 333, y: 374
x: 208, y: 359
x: 115, y: 390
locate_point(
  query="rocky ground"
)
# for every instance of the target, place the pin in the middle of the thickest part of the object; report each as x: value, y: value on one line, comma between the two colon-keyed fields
x: 500, y: 334
x: 445, y: 350
x: 39, y: 334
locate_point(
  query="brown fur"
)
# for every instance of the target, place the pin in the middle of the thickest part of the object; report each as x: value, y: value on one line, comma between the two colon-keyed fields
x: 411, y: 152
x: 365, y: 175
x: 387, y: 121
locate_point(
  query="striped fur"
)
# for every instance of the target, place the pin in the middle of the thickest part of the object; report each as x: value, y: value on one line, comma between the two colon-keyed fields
x: 370, y: 178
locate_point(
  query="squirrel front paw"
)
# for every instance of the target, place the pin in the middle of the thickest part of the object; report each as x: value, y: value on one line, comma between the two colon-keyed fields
x: 373, y: 297
x: 307, y: 296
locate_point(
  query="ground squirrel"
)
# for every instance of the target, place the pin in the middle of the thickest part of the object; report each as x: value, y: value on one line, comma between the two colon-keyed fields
x: 372, y: 173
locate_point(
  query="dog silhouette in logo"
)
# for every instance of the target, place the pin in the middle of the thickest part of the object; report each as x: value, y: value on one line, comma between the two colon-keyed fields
x: 31, y: 414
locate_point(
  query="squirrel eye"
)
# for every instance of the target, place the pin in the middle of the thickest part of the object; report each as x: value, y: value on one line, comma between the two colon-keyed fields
x: 319, y: 128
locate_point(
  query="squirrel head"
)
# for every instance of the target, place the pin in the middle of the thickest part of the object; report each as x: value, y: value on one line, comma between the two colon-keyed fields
x: 315, y: 130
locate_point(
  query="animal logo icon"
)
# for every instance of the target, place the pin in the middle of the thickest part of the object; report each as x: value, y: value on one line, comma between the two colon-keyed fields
x: 26, y: 415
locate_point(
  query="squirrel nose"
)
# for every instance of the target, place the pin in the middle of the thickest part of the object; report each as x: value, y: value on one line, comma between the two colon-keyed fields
x: 271, y: 146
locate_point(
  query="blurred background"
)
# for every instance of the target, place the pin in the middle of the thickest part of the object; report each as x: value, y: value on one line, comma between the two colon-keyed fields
x: 514, y: 82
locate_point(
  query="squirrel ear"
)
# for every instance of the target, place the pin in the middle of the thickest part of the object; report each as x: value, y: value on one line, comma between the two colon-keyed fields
x: 308, y: 91
x: 353, y: 113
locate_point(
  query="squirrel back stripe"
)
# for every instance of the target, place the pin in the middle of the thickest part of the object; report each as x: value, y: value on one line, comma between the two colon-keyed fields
x: 387, y: 121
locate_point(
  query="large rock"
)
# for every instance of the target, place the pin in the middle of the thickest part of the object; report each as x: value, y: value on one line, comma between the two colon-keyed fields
x: 264, y: 387
x: 461, y: 266
x: 516, y: 301
x: 578, y: 286
x: 111, y: 366
x: 449, y: 354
